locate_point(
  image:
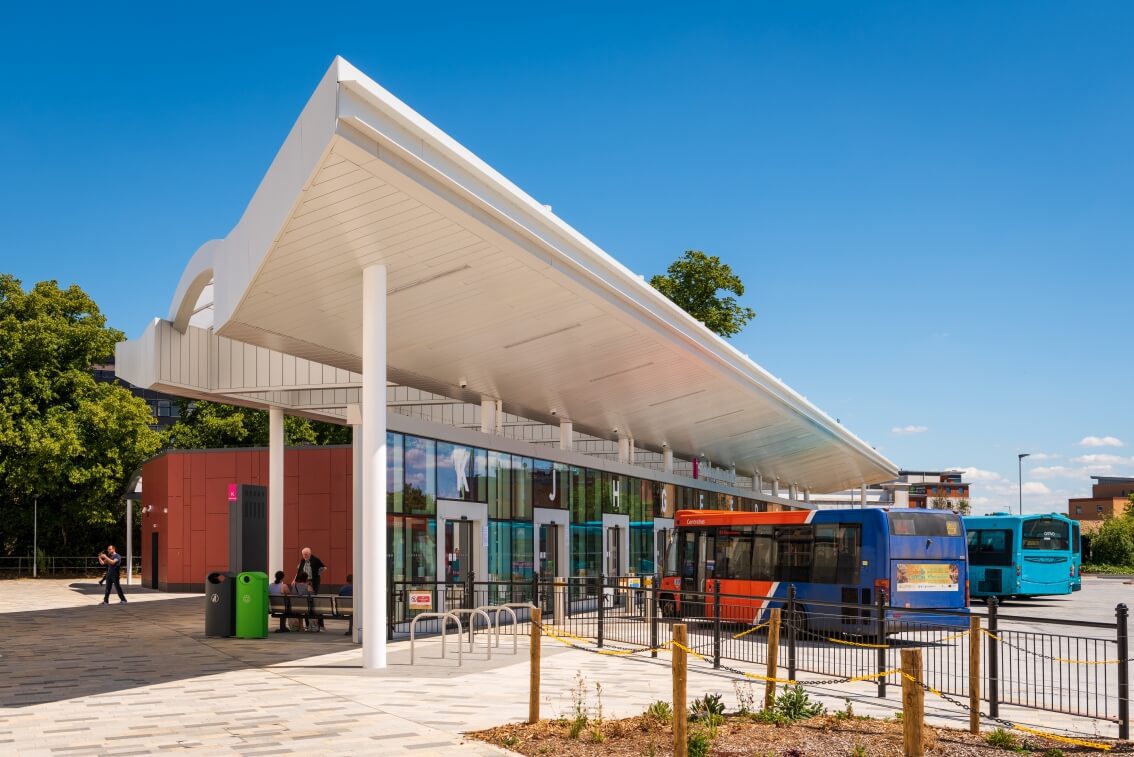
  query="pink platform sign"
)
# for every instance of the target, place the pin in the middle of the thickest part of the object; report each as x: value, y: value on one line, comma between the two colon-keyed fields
x: 232, y: 492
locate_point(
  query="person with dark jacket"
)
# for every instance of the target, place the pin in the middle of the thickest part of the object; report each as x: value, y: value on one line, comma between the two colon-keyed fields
x: 313, y: 567
x: 113, y: 561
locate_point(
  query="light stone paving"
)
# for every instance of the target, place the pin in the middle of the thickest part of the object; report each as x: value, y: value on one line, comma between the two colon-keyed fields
x: 140, y: 678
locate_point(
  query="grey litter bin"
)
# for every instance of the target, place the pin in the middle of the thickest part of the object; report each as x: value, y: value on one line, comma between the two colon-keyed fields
x: 220, y: 604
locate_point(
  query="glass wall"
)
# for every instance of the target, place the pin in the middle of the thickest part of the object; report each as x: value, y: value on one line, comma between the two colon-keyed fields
x: 462, y: 472
x: 420, y: 476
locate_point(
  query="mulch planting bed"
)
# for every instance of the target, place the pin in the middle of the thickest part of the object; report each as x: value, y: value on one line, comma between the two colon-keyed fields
x: 815, y: 737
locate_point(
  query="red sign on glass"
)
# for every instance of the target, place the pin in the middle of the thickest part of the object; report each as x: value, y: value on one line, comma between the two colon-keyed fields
x: 232, y: 492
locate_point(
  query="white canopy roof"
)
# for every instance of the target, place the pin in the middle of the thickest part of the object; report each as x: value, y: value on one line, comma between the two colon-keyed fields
x: 488, y: 287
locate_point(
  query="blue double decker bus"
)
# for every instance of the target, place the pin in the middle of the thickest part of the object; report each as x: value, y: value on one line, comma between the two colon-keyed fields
x: 1023, y: 555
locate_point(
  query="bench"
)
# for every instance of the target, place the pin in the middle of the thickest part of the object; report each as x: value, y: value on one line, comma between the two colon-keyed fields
x: 312, y: 607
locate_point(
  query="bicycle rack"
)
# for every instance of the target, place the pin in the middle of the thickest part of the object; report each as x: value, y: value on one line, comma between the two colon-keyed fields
x: 472, y: 626
x: 444, y: 633
x: 499, y: 609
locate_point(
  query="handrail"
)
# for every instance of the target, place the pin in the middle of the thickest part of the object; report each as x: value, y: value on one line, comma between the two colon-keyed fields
x: 444, y: 633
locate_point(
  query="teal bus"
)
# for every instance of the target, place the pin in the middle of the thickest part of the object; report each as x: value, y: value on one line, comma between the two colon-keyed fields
x: 1022, y: 555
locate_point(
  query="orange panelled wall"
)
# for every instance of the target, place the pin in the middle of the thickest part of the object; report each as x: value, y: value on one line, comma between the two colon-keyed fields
x: 188, y: 494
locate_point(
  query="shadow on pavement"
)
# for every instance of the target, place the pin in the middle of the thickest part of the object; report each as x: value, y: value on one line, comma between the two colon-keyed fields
x: 51, y: 655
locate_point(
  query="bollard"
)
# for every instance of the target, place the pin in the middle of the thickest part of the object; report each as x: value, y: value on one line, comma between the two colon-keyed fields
x: 913, y: 705
x: 773, y: 659
x: 974, y: 674
x: 654, y: 615
x: 993, y: 661
x: 716, y: 623
x: 1121, y: 616
x: 601, y: 606
x: 880, y: 637
x: 792, y: 621
x: 680, y: 715
x: 533, y: 678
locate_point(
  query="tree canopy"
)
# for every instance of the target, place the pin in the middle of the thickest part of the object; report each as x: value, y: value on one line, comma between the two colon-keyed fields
x: 694, y: 282
x: 65, y: 440
x: 206, y: 425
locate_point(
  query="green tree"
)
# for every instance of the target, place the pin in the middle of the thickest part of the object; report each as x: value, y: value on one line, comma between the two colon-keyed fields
x: 1113, y: 543
x: 695, y: 281
x: 209, y: 425
x: 66, y: 441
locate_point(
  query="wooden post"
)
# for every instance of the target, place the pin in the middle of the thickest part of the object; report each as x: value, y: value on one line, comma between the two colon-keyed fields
x: 533, y: 681
x: 974, y: 674
x: 773, y: 659
x: 680, y: 716
x: 913, y: 704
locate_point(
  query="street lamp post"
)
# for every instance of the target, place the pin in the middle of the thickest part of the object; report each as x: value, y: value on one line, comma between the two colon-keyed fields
x: 35, y: 539
x: 1020, y: 470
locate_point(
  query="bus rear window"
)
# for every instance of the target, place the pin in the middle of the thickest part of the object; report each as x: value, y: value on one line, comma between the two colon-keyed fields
x: 1045, y: 533
x: 924, y: 524
x: 990, y: 546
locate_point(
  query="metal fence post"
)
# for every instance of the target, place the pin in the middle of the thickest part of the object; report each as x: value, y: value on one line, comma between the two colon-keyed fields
x: 880, y: 638
x: 792, y: 622
x: 391, y: 610
x: 993, y: 661
x: 1121, y: 616
x: 654, y: 615
x: 601, y: 606
x: 716, y: 623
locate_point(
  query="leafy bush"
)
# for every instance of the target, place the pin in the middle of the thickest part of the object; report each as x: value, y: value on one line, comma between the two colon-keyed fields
x: 1113, y: 543
x: 858, y: 751
x: 660, y: 711
x: 1102, y: 568
x: 699, y: 744
x: 795, y: 704
x: 707, y: 707
x: 1001, y: 739
x: 770, y: 717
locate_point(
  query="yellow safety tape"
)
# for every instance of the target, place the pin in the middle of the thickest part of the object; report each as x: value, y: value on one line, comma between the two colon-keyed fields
x: 869, y: 676
x: 1064, y: 739
x: 681, y: 646
x: 1024, y: 728
x: 858, y: 643
x: 991, y: 635
x: 750, y: 630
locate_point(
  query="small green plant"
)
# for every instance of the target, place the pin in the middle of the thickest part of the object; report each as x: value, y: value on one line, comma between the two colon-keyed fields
x: 795, y: 704
x: 709, y: 711
x: 660, y: 711
x: 898, y: 716
x: 700, y: 742
x: 1052, y: 753
x: 745, y: 697
x: 858, y: 751
x: 770, y: 717
x: 579, y: 702
x: 847, y: 713
x: 510, y: 741
x: 1001, y: 739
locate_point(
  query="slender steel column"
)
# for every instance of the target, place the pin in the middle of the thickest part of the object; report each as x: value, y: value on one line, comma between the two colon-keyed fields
x: 275, y: 489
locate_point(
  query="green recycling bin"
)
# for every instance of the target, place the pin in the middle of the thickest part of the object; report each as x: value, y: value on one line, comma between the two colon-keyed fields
x: 252, y: 606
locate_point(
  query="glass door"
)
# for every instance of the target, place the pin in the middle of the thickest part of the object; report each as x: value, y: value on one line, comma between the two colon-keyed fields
x: 458, y: 561
x: 548, y: 551
x: 613, y: 551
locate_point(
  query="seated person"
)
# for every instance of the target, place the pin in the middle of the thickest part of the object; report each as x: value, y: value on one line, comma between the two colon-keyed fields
x: 279, y: 589
x: 347, y: 590
x: 301, y: 587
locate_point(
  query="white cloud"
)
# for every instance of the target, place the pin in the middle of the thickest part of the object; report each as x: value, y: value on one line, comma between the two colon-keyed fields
x: 908, y: 430
x: 1035, y: 487
x: 1055, y: 471
x: 976, y: 474
x: 1044, y: 456
x: 1100, y: 441
x: 1107, y: 460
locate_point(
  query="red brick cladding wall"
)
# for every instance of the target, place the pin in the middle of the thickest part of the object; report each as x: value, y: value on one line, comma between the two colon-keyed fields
x: 193, y: 486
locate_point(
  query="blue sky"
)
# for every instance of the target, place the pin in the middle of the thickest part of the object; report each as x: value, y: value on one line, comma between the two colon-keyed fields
x: 930, y: 203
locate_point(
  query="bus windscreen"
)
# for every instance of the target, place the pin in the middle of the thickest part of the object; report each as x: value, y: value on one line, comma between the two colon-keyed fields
x: 1046, y: 534
x: 990, y: 546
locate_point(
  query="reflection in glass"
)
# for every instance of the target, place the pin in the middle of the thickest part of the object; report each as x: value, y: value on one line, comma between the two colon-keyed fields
x: 420, y: 466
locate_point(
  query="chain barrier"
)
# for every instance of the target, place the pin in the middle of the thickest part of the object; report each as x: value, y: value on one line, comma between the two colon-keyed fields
x: 742, y: 634
x: 1008, y: 723
x: 803, y: 632
x: 1041, y: 655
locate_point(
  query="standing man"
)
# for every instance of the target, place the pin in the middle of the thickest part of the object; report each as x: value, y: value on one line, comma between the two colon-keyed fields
x: 313, y: 567
x: 112, y: 560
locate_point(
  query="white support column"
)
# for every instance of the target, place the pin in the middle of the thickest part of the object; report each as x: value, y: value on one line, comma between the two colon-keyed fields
x: 630, y: 453
x: 793, y: 491
x: 862, y: 495
x: 275, y: 489
x: 757, y: 483
x: 374, y: 466
x: 667, y: 460
x: 807, y: 495
x: 775, y: 487
x: 566, y: 435
x: 129, y: 541
x: 500, y: 417
x: 357, y: 526
x: 488, y: 416
x: 623, y: 449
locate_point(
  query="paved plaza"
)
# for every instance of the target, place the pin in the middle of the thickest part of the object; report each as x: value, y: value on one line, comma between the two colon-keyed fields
x: 138, y: 678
